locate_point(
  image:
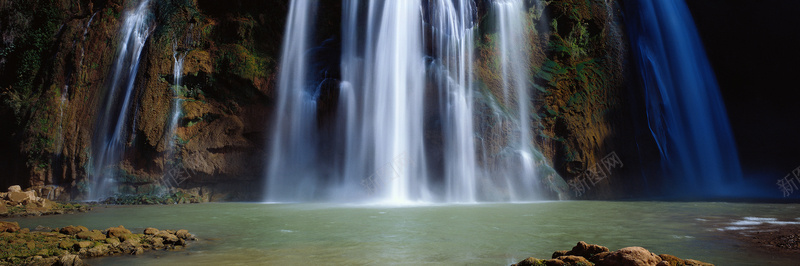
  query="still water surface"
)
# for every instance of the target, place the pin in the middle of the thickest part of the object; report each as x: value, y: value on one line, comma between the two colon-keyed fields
x: 476, y: 234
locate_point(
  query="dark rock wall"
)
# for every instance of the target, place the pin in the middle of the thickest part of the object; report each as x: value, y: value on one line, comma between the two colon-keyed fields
x: 583, y: 109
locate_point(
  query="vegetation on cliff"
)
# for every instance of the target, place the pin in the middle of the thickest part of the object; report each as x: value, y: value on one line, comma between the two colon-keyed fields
x: 55, y: 57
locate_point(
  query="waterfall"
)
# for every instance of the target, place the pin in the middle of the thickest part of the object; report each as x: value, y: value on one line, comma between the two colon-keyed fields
x: 685, y: 111
x: 177, y: 101
x: 110, y: 133
x: 453, y: 41
x: 514, y: 48
x: 292, y: 174
x: 381, y: 100
x: 406, y: 78
x: 395, y: 96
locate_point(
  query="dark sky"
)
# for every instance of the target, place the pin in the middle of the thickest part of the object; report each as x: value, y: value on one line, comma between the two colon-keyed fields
x: 754, y: 48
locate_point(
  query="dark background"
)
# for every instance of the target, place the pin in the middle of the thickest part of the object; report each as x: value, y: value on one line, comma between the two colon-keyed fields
x: 754, y: 49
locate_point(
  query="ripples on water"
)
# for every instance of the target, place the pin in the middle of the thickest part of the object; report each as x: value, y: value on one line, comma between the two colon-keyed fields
x: 494, y: 234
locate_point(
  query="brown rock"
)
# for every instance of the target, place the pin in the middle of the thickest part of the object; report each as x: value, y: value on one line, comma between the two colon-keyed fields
x: 128, y: 236
x: 44, y: 203
x: 72, y: 230
x: 9, y: 227
x: 150, y: 231
x: 114, y: 242
x: 66, y: 244
x: 158, y: 243
x: 554, y: 262
x: 83, y: 244
x: 574, y: 260
x: 99, y: 251
x: 130, y: 246
x: 93, y: 235
x: 15, y: 188
x: 184, y: 234
x: 675, y: 261
x: 663, y: 263
x: 630, y: 256
x: 530, y: 261
x: 71, y: 260
x: 586, y: 250
x: 117, y: 231
x: 41, y: 261
x: 672, y: 260
x: 3, y: 207
x: 599, y: 256
x: 559, y: 253
x: 696, y: 263
x: 168, y: 238
x: 19, y: 197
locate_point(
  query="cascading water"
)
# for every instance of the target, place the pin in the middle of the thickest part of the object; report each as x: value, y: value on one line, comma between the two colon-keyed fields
x: 177, y: 101
x: 406, y: 69
x: 452, y: 27
x: 381, y: 101
x: 109, y: 142
x: 685, y: 111
x: 292, y: 173
x: 514, y: 48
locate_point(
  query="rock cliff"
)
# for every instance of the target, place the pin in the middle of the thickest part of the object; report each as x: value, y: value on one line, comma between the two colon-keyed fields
x: 55, y: 60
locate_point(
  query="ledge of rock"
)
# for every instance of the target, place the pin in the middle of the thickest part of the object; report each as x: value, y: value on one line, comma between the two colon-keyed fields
x: 70, y: 244
x: 584, y: 254
x: 16, y: 202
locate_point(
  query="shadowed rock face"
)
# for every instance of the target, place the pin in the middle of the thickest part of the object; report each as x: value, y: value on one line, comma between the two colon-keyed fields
x: 55, y: 75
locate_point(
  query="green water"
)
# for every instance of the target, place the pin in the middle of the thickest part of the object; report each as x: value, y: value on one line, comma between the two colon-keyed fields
x: 481, y: 234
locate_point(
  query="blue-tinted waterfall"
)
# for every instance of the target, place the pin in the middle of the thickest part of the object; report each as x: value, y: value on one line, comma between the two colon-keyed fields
x: 685, y: 111
x: 116, y: 116
x: 292, y: 164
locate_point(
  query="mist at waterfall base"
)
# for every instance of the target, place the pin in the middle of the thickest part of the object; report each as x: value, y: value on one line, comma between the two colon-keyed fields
x: 406, y: 74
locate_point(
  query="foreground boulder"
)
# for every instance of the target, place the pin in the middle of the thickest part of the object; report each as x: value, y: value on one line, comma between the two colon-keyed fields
x: 70, y: 244
x: 584, y: 254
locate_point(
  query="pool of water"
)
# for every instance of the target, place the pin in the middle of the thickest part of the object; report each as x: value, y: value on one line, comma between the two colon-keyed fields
x: 479, y: 234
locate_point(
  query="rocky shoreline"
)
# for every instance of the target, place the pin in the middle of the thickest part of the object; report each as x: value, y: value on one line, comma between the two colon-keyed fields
x: 584, y: 254
x: 69, y: 245
x: 16, y: 203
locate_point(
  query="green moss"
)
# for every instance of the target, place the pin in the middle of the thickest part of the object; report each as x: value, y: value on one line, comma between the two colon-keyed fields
x: 238, y: 60
x: 177, y: 197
